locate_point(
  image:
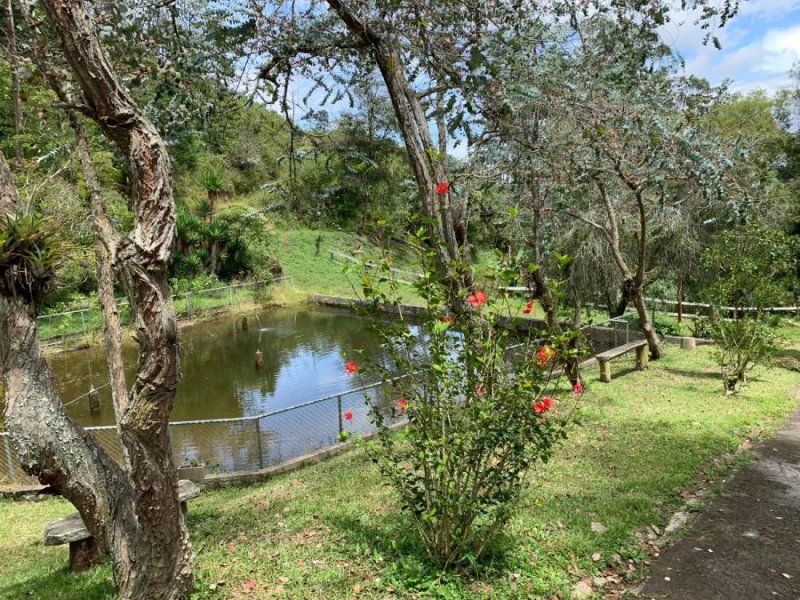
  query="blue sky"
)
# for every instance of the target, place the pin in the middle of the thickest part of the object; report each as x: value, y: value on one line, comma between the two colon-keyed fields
x: 759, y: 46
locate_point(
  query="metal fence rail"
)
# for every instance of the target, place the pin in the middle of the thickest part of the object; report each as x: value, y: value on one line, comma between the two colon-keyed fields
x: 68, y: 326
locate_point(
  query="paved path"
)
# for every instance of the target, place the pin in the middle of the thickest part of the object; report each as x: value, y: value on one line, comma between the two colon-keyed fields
x: 746, y: 544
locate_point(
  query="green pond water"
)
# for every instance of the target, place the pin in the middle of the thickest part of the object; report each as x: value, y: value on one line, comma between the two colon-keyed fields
x: 304, y: 353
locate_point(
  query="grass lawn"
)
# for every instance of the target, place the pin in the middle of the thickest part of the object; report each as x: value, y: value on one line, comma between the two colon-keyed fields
x: 333, y: 531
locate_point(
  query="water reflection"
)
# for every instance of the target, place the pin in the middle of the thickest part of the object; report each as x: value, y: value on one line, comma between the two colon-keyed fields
x: 302, y: 351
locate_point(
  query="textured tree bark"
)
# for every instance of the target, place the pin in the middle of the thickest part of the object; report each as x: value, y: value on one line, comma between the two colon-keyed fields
x: 106, y: 236
x: 13, y: 59
x: 48, y: 443
x: 133, y: 512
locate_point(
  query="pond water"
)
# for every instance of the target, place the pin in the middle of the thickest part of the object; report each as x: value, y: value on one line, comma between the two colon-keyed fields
x: 304, y: 353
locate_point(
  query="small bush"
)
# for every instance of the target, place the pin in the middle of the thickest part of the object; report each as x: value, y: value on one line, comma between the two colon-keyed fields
x: 740, y: 345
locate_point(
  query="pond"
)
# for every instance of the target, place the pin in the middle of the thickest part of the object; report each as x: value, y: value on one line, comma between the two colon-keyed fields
x: 304, y: 352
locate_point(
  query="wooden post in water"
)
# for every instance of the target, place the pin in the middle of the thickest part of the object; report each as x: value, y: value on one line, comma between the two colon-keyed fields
x: 94, y: 400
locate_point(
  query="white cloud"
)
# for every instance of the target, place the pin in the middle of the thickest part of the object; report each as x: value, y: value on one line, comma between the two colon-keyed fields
x: 768, y: 9
x: 761, y: 63
x: 781, y: 50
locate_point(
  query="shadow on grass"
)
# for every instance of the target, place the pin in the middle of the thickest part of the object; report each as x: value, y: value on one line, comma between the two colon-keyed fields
x: 65, y: 585
x: 407, y: 564
x: 689, y: 374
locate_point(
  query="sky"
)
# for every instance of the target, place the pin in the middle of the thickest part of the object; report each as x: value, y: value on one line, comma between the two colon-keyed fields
x: 759, y: 45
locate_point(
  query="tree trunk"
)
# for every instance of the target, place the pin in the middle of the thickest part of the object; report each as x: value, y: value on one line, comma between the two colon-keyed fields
x: 16, y: 90
x: 618, y: 308
x: 427, y: 164
x: 537, y: 276
x: 49, y: 444
x: 133, y: 512
x: 105, y: 235
x: 653, y: 343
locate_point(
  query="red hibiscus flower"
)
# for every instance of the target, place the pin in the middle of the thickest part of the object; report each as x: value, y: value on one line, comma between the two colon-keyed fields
x: 402, y: 405
x: 447, y: 319
x: 348, y: 415
x: 543, y: 406
x: 578, y: 388
x: 442, y: 188
x: 545, y: 354
x: 529, y: 306
x: 350, y: 366
x: 477, y: 299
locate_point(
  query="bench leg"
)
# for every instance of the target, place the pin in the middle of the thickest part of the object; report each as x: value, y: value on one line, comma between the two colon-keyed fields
x: 642, y: 357
x: 605, y: 371
x: 83, y: 555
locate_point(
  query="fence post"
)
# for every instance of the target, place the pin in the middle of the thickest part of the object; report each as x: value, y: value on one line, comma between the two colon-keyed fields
x: 627, y: 331
x: 258, y: 444
x: 83, y: 324
x: 230, y: 295
x: 188, y: 304
x: 341, y: 425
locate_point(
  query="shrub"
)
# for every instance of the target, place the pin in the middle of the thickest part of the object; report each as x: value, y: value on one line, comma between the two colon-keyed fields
x: 747, y: 270
x: 740, y: 345
x: 478, y: 416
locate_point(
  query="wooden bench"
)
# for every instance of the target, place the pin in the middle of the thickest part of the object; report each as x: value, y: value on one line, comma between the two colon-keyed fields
x: 605, y: 358
x: 83, y: 551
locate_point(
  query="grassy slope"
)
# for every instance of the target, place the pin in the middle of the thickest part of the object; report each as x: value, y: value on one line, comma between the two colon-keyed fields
x: 333, y: 531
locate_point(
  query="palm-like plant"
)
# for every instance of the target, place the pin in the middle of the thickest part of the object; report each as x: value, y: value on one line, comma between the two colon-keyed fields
x: 29, y: 256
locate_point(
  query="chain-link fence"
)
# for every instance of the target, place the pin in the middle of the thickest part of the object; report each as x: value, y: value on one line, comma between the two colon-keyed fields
x: 250, y: 443
x: 256, y: 442
x: 599, y: 337
x: 68, y: 328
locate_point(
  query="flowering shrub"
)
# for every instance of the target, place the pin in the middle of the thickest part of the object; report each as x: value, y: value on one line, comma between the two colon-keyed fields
x: 477, y: 415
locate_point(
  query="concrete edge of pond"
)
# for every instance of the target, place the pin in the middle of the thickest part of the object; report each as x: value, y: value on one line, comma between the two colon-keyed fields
x: 349, y: 303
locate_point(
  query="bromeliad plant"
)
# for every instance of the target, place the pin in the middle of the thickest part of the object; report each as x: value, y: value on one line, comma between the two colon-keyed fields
x: 474, y: 392
x: 29, y: 256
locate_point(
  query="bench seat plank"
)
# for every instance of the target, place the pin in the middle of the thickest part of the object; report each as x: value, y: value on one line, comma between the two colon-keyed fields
x: 620, y: 350
x: 604, y: 358
x: 71, y: 528
x: 65, y: 530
